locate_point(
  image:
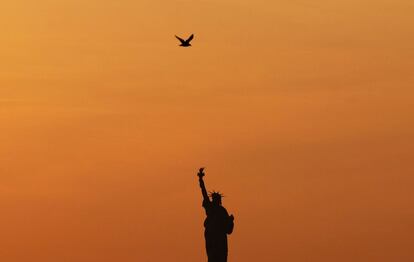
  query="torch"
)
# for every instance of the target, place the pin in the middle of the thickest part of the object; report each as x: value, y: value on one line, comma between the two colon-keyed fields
x: 201, y: 173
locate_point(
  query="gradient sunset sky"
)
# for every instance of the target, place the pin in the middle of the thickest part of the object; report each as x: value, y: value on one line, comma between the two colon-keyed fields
x: 301, y: 111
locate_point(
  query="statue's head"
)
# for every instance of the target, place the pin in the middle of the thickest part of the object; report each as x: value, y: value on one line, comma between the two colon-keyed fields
x: 216, y: 198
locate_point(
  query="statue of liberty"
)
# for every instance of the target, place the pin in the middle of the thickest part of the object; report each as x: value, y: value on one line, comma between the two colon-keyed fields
x: 217, y: 225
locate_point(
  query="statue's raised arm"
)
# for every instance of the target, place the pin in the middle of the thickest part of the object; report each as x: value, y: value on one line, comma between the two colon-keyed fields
x: 202, y: 186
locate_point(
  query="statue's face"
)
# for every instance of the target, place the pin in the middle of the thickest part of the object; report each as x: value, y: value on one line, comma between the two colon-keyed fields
x: 217, y: 201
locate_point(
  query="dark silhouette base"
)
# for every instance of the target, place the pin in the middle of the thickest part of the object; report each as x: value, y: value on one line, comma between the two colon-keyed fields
x: 216, y: 247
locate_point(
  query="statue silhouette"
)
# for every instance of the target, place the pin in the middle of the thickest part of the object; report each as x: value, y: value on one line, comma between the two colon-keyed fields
x: 217, y: 225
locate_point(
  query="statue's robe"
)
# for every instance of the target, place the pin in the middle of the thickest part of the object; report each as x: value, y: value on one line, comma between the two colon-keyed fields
x: 217, y: 225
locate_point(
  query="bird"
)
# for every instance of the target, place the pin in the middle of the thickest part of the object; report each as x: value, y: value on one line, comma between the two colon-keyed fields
x: 185, y: 43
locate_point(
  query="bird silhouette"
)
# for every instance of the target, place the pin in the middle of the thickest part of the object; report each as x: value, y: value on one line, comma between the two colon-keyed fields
x: 185, y: 43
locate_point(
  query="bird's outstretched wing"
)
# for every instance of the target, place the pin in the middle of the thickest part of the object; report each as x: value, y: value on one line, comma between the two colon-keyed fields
x: 181, y: 40
x: 190, y: 38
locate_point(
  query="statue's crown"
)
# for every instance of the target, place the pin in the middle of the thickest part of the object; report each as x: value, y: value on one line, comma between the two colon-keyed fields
x: 216, y: 194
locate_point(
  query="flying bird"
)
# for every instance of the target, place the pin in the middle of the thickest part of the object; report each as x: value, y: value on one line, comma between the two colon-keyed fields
x: 185, y: 43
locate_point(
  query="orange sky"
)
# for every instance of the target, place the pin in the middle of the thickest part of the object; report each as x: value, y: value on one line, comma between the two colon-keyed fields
x: 301, y: 111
